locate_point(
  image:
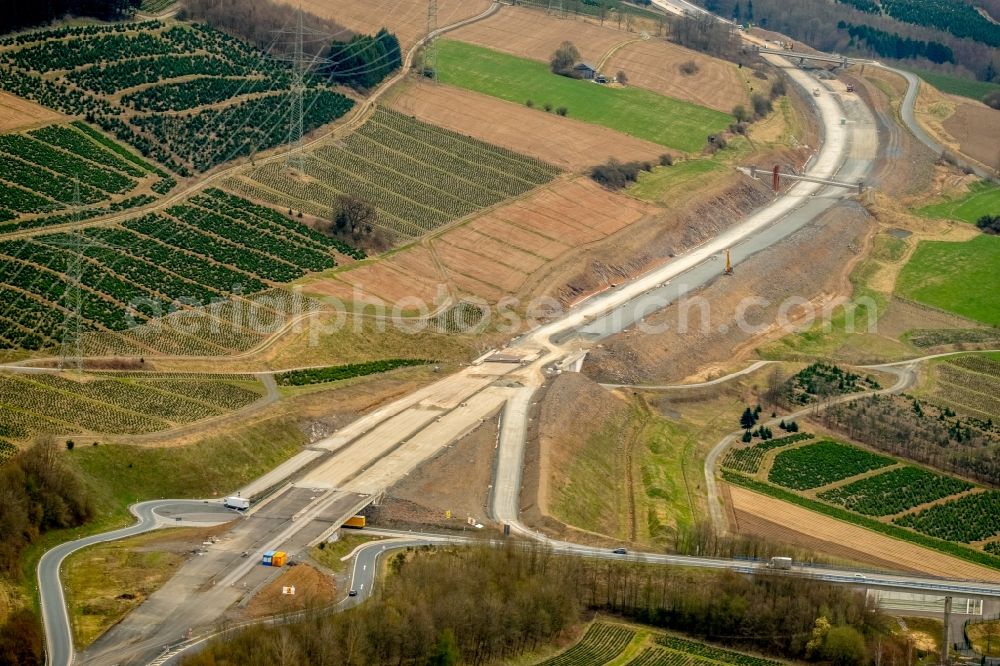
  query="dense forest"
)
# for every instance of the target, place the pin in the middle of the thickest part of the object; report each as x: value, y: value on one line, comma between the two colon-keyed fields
x: 479, y: 605
x: 38, y: 492
x: 813, y: 22
x: 364, y: 61
x: 261, y: 23
x: 891, y: 45
x: 16, y: 15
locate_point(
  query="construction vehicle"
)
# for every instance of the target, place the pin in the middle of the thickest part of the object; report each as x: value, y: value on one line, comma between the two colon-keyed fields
x: 239, y: 503
x: 729, y: 265
x: 780, y: 563
x: 356, y: 522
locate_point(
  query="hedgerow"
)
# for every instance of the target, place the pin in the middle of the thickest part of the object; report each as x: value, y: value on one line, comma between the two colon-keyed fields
x: 950, y: 548
x: 339, y: 372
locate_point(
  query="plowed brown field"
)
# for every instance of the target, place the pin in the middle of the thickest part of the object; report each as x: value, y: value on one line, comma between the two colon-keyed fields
x: 655, y: 65
x: 564, y: 142
x: 817, y: 527
x: 976, y: 127
x: 495, y: 254
x: 16, y: 113
x: 406, y: 18
x: 652, y: 64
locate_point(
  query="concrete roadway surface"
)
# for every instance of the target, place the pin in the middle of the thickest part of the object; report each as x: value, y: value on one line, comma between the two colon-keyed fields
x: 382, y: 447
x: 149, y: 516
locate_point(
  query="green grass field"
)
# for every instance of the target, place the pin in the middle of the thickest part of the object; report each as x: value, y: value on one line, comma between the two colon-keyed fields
x: 954, y: 85
x: 665, y: 183
x: 983, y: 199
x: 640, y: 113
x: 957, y: 277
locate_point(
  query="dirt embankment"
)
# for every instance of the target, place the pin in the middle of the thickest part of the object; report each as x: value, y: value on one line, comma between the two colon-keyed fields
x: 905, y: 167
x: 811, y: 267
x: 676, y: 230
x: 576, y: 462
x: 456, y: 480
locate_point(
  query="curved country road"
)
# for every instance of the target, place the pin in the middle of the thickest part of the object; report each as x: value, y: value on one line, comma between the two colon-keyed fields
x: 55, y: 617
x: 906, y: 374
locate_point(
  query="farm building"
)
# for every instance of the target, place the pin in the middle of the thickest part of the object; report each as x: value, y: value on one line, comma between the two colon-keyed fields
x: 584, y: 70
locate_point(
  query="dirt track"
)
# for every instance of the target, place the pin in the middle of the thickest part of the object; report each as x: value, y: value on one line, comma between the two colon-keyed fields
x: 791, y: 520
x: 564, y: 142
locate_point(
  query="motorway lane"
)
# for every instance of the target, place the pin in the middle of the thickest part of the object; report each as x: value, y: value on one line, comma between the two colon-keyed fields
x: 55, y: 617
x: 848, y: 154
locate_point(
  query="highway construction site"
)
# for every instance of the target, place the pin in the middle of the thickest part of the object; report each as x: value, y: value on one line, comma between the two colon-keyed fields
x: 486, y: 410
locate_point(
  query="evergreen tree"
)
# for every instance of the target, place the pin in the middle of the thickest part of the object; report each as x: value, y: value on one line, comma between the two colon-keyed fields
x: 747, y: 420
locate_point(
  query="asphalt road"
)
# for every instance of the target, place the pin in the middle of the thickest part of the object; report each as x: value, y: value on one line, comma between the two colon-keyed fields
x: 910, y: 120
x: 149, y: 516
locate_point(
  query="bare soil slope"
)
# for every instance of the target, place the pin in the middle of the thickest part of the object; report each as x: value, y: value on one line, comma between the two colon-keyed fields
x: 494, y: 254
x: 811, y: 265
x: 564, y: 142
x: 656, y: 65
x: 652, y: 64
x: 457, y: 480
x: 788, y: 522
x: 17, y: 113
x: 976, y: 128
x: 406, y: 18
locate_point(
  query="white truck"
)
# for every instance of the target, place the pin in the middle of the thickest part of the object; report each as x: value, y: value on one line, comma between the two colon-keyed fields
x: 781, y: 563
x: 239, y: 503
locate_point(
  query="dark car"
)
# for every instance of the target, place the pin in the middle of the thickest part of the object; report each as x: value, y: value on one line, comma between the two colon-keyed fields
x: 352, y: 593
x: 620, y: 551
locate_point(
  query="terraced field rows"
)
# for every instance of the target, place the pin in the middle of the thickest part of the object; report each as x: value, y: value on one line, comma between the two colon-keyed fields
x: 416, y: 176
x: 894, y: 491
x: 62, y: 167
x: 234, y: 100
x: 971, y: 518
x: 210, y: 249
x: 54, y: 404
x: 714, y: 653
x: 821, y: 463
x: 970, y: 385
x: 601, y: 644
x: 748, y: 459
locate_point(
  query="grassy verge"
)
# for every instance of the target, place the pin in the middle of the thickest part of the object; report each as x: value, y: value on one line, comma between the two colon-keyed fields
x: 985, y: 637
x: 825, y: 338
x: 329, y: 554
x: 338, y: 372
x: 106, y: 581
x: 640, y: 113
x: 893, y: 531
x: 663, y: 183
x: 120, y: 475
x: 957, y: 277
x: 983, y: 198
x: 954, y: 85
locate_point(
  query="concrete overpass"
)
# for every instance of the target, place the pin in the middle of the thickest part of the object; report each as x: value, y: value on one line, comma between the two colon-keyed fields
x: 843, y: 61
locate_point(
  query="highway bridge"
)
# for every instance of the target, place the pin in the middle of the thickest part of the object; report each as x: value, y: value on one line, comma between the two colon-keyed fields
x: 843, y: 61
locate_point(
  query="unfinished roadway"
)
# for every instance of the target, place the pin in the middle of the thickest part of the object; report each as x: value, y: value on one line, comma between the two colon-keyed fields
x: 311, y: 494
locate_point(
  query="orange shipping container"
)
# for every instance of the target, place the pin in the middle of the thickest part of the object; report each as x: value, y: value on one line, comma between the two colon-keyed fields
x: 355, y: 521
x: 279, y: 559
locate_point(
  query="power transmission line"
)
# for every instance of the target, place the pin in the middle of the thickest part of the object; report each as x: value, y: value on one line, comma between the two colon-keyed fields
x: 430, y: 51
